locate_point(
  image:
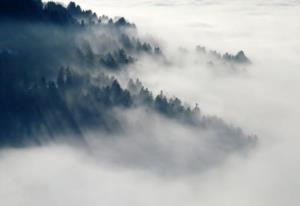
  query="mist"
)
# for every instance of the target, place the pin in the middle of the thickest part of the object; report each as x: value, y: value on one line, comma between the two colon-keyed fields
x: 158, y: 161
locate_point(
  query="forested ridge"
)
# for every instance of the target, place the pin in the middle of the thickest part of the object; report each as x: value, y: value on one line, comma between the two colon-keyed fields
x: 57, y: 79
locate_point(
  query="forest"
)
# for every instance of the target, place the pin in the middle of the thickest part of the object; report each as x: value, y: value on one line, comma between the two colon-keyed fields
x: 57, y: 76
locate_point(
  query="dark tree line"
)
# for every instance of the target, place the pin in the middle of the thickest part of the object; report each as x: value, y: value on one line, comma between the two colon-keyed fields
x: 52, y: 12
x: 39, y: 100
x: 239, y: 58
x: 170, y: 107
x: 38, y: 37
x: 76, y: 102
x: 72, y: 102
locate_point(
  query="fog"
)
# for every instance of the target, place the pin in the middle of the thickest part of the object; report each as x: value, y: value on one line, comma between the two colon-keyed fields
x: 149, y: 167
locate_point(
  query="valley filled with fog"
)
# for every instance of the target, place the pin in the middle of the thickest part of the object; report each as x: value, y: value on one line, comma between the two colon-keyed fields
x: 232, y: 141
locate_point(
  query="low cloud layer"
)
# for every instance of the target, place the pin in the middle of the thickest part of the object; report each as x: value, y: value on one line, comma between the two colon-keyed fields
x: 156, y: 145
